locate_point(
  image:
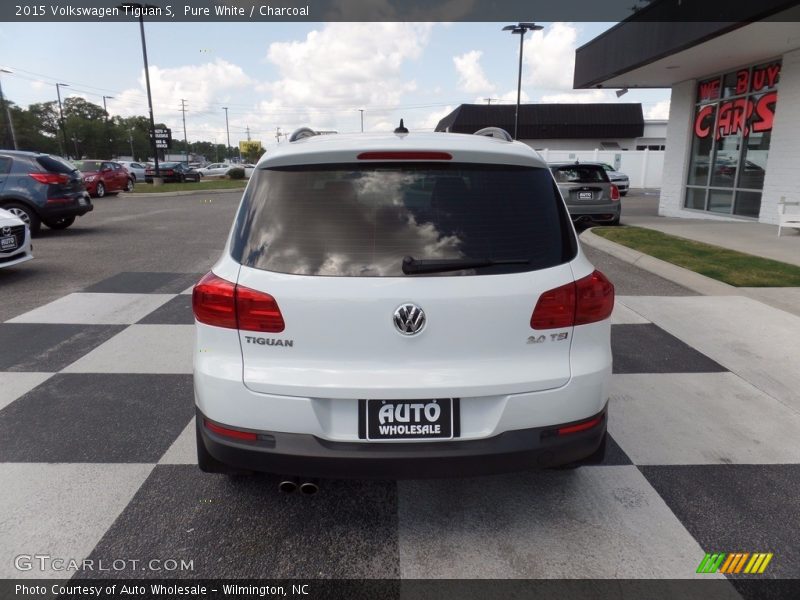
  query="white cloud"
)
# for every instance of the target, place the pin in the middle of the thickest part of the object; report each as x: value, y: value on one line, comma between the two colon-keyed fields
x: 471, y: 77
x: 549, y: 57
x: 430, y: 122
x: 326, y: 77
x: 580, y: 97
x: 660, y: 110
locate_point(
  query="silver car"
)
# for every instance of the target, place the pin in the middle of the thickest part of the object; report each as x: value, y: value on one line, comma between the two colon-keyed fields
x: 588, y: 192
x: 618, y: 178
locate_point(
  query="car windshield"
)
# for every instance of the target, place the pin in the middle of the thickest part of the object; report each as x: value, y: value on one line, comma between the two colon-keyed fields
x: 580, y: 174
x: 168, y: 165
x: 86, y: 166
x: 350, y: 220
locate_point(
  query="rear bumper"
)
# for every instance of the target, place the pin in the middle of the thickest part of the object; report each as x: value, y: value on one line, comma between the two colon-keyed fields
x: 309, y: 456
x: 599, y: 212
x: 58, y: 210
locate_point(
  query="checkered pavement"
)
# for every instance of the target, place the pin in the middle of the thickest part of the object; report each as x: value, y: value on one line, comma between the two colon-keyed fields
x: 97, y: 458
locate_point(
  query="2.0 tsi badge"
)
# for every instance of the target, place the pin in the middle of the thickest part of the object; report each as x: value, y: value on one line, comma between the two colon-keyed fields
x: 409, y: 319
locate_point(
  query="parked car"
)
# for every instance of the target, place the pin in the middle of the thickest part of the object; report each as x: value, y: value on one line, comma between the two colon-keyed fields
x: 215, y: 170
x: 401, y: 305
x: 618, y: 178
x: 175, y: 172
x: 104, y: 177
x: 136, y: 169
x: 15, y: 240
x: 588, y: 192
x: 42, y: 188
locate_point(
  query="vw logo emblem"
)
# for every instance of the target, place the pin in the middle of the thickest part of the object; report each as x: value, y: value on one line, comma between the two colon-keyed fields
x: 6, y: 230
x: 409, y: 319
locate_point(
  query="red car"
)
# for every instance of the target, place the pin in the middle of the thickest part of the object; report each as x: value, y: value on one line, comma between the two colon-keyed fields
x: 104, y: 177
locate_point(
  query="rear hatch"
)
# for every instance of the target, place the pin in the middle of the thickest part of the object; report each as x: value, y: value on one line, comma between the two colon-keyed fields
x: 583, y: 184
x: 328, y: 243
x: 63, y: 179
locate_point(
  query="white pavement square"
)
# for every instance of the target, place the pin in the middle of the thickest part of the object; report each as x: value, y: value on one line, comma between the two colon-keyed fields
x: 536, y: 525
x: 95, y: 309
x: 156, y: 349
x: 700, y: 419
x: 183, y: 450
x: 61, y: 510
x: 757, y: 342
x: 14, y: 385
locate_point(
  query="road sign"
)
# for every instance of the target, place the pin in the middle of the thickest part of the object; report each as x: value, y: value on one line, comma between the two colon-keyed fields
x: 163, y: 138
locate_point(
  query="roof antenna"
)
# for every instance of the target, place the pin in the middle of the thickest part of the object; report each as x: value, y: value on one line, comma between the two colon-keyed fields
x: 402, y: 128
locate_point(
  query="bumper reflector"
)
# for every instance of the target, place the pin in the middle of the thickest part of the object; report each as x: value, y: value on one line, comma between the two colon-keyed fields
x: 578, y: 427
x: 231, y: 433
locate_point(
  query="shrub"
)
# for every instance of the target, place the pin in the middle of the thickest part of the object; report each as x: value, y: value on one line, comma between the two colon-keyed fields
x: 236, y: 173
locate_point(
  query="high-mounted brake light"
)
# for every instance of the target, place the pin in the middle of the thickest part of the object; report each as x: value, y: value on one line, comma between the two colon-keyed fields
x: 218, y: 302
x: 585, y: 301
x: 614, y: 192
x: 49, y: 178
x: 405, y: 155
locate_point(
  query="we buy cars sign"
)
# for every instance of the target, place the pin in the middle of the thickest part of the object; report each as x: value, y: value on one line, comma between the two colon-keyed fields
x: 163, y: 138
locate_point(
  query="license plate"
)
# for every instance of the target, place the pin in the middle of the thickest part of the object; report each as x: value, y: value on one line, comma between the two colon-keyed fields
x: 408, y: 419
x: 8, y: 243
x: 584, y: 195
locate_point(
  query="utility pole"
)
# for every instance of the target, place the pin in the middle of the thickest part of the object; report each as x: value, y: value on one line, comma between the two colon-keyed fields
x: 278, y: 134
x: 248, y: 133
x: 520, y: 29
x: 61, y: 114
x: 4, y: 106
x: 227, y: 131
x: 361, y: 110
x: 185, y: 142
x: 130, y: 139
x: 108, y: 130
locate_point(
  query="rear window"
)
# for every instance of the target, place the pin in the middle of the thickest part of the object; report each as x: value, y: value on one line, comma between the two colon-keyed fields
x: 350, y: 220
x: 580, y: 174
x: 87, y: 166
x: 55, y: 164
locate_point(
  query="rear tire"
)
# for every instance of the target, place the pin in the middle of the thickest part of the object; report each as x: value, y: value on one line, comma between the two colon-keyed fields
x: 100, y: 190
x: 615, y: 221
x: 623, y: 193
x: 27, y: 215
x: 131, y: 183
x: 61, y: 223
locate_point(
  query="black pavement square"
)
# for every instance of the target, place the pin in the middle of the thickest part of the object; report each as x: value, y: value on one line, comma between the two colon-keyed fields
x: 647, y: 348
x: 245, y: 528
x: 737, y: 508
x: 177, y: 311
x: 145, y: 283
x: 101, y: 418
x: 48, y: 347
x: 615, y: 455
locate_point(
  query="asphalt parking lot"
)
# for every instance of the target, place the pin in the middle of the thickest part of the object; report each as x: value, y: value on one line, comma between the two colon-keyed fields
x: 97, y: 434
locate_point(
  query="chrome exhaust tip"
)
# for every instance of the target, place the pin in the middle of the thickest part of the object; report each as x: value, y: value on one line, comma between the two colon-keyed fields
x: 288, y: 486
x: 308, y: 488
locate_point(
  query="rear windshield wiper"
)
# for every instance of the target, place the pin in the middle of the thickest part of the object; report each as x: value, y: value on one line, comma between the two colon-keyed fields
x: 412, y: 266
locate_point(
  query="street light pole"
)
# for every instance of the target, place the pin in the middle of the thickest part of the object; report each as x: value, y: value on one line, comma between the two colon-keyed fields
x: 61, y: 114
x: 7, y: 109
x: 361, y: 110
x: 228, y: 131
x: 521, y: 29
x: 108, y: 130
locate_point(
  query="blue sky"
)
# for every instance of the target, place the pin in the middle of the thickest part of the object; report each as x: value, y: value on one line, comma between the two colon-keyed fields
x: 292, y: 74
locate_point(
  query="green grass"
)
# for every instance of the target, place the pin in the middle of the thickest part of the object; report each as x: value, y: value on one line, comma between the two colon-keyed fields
x: 215, y: 184
x: 734, y: 268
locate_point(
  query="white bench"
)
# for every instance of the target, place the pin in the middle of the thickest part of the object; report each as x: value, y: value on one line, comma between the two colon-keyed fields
x: 787, y: 219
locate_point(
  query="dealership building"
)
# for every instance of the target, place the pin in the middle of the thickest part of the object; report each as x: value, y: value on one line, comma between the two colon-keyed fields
x: 733, y: 135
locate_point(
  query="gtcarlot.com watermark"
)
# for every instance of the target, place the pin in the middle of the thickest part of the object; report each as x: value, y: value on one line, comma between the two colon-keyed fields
x: 46, y: 562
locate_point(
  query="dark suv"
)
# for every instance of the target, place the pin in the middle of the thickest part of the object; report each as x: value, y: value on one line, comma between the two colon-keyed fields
x: 42, y: 188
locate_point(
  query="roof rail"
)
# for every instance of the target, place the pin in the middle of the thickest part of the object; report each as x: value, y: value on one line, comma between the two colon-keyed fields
x: 303, y: 132
x: 495, y: 132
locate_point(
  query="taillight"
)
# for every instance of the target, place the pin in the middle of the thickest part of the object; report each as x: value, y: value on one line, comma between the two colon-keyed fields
x: 614, y: 192
x: 49, y: 178
x: 213, y: 302
x: 258, y: 311
x: 218, y: 302
x: 588, y: 300
x: 595, y: 299
x: 231, y: 433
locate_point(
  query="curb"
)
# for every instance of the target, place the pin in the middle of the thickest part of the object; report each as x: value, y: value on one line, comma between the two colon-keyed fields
x: 688, y: 279
x: 186, y: 193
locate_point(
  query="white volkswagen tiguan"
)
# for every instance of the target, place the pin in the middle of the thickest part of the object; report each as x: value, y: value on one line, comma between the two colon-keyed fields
x: 401, y: 306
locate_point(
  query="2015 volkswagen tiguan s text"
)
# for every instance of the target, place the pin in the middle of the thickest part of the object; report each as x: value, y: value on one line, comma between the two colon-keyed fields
x: 401, y: 306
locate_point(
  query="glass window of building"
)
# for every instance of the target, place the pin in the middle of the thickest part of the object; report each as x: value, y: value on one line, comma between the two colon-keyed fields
x: 730, y: 142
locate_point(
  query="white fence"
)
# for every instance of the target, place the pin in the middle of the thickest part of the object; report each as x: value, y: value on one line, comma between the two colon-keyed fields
x: 643, y: 167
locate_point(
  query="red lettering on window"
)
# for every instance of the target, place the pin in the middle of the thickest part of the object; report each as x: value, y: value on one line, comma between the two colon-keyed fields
x: 702, y: 126
x: 765, y: 111
x: 742, y: 79
x: 733, y: 117
x: 709, y: 90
